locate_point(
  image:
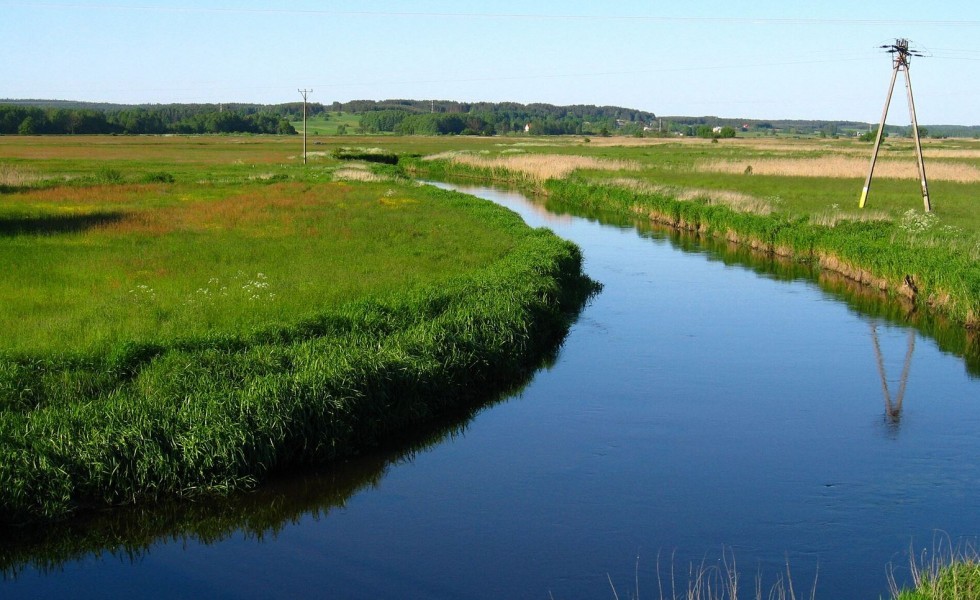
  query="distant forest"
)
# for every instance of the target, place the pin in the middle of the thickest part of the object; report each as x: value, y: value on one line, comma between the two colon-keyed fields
x: 28, y: 117
x: 427, y: 117
x: 493, y: 118
x: 802, y: 127
x: 396, y: 116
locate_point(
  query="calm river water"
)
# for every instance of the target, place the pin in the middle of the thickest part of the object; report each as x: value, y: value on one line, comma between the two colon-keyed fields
x: 700, y: 407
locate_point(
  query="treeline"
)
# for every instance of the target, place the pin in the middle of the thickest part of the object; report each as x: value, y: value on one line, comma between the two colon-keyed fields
x: 290, y: 110
x: 489, y: 118
x: 25, y: 119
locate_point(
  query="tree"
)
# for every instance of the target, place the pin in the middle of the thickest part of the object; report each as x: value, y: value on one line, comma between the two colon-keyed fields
x: 286, y: 128
x: 27, y: 126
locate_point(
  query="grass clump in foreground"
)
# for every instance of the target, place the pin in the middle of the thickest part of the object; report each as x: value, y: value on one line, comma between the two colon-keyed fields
x: 948, y: 573
x: 181, y: 401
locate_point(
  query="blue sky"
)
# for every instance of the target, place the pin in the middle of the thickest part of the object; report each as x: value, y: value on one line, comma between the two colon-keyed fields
x: 760, y: 59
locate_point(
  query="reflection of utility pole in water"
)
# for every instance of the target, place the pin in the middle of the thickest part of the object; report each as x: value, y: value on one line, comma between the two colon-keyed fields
x: 893, y: 409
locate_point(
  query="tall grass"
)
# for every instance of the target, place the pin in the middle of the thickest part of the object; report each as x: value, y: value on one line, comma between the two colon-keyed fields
x: 947, y: 572
x: 714, y: 580
x: 843, y: 167
x: 12, y: 176
x: 538, y: 167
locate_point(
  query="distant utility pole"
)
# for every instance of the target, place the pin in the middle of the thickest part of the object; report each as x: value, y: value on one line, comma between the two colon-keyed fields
x: 902, y: 54
x: 304, y: 93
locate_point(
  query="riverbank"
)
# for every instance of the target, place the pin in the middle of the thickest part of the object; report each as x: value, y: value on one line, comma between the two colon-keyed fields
x: 179, y: 410
x: 903, y: 258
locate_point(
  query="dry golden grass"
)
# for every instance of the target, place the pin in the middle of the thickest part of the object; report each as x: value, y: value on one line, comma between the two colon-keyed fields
x: 355, y: 172
x: 833, y: 217
x: 13, y: 176
x: 735, y: 200
x: 844, y: 167
x: 950, y: 153
x: 539, y: 166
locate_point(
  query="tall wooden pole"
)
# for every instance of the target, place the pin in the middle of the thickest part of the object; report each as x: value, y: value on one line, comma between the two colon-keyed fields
x: 918, y: 144
x: 881, y: 129
x: 901, y: 63
x: 304, y: 92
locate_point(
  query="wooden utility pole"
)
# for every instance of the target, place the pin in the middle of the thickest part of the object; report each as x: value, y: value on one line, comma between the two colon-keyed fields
x: 304, y: 93
x: 902, y: 54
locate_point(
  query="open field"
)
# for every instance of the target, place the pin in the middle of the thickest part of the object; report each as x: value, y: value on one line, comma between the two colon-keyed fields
x: 187, y: 315
x: 328, y: 125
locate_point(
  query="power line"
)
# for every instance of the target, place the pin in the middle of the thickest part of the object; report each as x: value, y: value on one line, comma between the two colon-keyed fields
x: 509, y: 16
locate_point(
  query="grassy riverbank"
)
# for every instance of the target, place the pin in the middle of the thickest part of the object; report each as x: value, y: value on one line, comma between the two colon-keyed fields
x: 191, y: 334
x: 931, y: 259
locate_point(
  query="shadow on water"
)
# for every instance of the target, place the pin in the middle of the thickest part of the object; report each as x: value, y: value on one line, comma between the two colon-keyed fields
x: 951, y: 337
x: 131, y: 533
x: 56, y: 224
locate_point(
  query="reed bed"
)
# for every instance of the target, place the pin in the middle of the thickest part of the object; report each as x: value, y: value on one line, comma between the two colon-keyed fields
x: 842, y: 167
x: 540, y: 167
x: 950, y: 153
x: 737, y: 201
x: 16, y: 176
x: 356, y: 172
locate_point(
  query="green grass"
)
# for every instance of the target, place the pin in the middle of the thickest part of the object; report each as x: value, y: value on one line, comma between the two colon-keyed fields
x: 959, y: 581
x: 328, y: 125
x: 243, y: 314
x: 89, y: 267
x: 947, y: 573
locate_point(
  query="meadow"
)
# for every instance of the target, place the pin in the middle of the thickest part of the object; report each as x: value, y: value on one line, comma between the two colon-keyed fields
x: 185, y: 316
x: 329, y: 123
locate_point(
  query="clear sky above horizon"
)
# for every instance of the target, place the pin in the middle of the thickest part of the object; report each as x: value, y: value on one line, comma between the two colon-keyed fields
x: 761, y: 59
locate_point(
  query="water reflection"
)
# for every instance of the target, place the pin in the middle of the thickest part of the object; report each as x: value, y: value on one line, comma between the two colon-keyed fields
x: 952, y: 337
x: 893, y: 406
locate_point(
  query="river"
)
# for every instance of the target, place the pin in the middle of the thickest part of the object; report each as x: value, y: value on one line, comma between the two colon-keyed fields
x: 704, y: 409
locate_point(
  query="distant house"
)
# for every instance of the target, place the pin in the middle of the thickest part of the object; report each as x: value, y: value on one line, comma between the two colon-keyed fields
x: 716, y: 130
